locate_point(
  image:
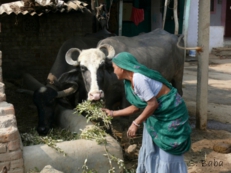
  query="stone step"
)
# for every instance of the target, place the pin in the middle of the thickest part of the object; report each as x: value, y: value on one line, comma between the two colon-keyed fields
x: 6, y: 108
x: 222, y: 51
x: 2, y: 97
x: 2, y: 87
x: 7, y: 121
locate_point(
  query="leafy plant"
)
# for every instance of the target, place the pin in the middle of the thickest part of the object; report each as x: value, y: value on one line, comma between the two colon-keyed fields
x: 94, y: 133
x: 55, y: 136
x: 93, y: 111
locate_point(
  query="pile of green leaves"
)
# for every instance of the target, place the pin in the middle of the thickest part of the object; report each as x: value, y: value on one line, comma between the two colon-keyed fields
x: 94, y: 133
x: 93, y: 112
x: 55, y: 136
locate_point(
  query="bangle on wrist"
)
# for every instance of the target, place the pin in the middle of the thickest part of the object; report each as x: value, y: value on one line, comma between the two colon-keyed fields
x: 137, y: 125
x: 111, y: 113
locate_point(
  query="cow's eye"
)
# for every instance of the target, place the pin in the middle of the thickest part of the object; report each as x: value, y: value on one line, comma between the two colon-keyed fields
x: 83, y: 68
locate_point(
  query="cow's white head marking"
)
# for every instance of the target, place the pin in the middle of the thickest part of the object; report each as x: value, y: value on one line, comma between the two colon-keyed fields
x: 92, y: 59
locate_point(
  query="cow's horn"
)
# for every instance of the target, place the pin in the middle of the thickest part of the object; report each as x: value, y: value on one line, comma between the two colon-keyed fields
x: 67, y: 91
x: 110, y: 50
x: 68, y: 56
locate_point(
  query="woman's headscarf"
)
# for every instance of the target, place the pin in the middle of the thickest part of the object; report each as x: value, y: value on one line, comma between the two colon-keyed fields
x: 127, y: 61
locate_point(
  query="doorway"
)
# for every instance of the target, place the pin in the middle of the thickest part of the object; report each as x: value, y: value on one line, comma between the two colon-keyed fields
x: 228, y: 21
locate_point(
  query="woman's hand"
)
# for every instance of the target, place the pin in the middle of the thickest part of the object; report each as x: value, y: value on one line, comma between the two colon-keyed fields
x: 107, y: 111
x: 132, y: 131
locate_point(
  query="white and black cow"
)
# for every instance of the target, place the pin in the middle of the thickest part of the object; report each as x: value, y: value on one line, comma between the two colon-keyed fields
x: 64, y: 85
x: 157, y: 50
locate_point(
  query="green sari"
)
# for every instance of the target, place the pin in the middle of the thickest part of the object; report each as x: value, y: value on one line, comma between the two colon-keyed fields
x: 168, y: 126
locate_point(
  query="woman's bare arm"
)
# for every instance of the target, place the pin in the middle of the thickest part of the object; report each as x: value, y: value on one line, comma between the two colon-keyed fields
x: 152, y: 105
x: 122, y: 112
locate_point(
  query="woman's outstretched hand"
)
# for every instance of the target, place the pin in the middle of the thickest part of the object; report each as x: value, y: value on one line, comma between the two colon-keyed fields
x: 107, y: 111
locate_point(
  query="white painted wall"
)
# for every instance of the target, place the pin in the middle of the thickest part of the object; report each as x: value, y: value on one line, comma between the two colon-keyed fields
x: 193, y: 24
x: 216, y: 30
x: 216, y: 38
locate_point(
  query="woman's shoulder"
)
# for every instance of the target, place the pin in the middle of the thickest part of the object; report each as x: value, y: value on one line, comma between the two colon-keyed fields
x: 139, y: 76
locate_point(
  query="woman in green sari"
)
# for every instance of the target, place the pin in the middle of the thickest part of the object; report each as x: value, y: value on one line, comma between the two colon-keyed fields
x: 166, y: 132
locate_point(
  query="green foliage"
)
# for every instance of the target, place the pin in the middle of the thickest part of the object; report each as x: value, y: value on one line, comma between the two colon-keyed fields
x: 35, y: 170
x: 94, y: 133
x: 55, y: 136
x: 93, y: 111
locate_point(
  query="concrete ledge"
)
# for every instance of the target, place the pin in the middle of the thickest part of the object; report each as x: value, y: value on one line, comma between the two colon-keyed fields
x: 77, y: 151
x: 221, y: 51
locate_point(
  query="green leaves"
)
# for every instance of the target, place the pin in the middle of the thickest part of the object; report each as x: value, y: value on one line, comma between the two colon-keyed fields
x: 94, y: 133
x: 55, y: 136
x: 93, y: 111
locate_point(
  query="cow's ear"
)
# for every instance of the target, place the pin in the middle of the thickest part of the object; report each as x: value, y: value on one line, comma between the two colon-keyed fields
x: 108, y: 66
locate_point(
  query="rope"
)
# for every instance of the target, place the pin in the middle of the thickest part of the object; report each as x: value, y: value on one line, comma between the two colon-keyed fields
x: 198, y: 49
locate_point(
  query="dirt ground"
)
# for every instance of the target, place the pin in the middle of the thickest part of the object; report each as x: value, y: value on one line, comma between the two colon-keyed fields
x: 201, y: 158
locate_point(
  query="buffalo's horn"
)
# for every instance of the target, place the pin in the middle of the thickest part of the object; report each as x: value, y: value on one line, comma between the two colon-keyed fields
x: 30, y: 82
x: 68, y: 56
x: 67, y: 91
x: 110, y: 50
x: 25, y: 91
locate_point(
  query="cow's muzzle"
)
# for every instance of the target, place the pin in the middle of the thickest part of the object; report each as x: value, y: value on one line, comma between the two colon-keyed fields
x: 96, y: 95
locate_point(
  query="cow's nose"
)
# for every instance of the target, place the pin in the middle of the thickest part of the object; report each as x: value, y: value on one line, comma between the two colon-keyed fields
x: 96, y: 95
x: 42, y: 131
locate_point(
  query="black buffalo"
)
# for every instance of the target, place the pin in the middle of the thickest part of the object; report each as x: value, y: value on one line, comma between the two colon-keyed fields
x: 157, y: 50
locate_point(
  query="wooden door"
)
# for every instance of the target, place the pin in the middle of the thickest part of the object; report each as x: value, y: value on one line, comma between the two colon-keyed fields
x: 228, y: 19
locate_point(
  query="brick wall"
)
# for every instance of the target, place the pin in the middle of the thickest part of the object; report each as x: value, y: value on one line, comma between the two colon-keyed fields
x: 30, y: 43
x: 11, y: 154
